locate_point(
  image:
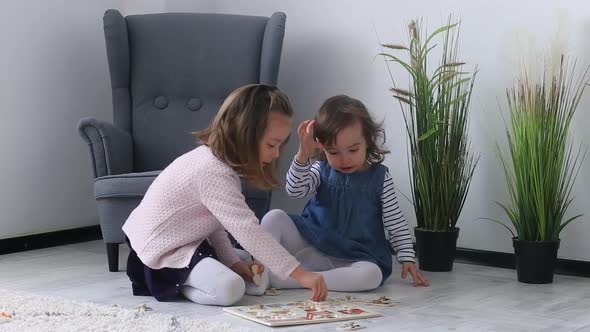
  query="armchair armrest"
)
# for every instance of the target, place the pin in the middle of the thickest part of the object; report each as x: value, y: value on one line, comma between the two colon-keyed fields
x: 111, y: 149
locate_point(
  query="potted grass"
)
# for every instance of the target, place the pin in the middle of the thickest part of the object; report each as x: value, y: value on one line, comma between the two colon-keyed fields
x: 436, y: 114
x: 541, y: 166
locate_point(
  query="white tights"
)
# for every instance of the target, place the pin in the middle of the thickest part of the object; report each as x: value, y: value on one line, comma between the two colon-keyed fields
x: 212, y: 283
x: 340, y: 275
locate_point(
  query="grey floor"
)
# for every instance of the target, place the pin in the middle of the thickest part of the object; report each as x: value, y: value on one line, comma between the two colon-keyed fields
x: 471, y: 298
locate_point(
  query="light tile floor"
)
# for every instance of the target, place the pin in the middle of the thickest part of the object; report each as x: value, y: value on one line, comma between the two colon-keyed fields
x: 471, y: 298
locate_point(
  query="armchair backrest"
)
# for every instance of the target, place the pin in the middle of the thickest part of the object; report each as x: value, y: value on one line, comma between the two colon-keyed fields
x: 170, y: 73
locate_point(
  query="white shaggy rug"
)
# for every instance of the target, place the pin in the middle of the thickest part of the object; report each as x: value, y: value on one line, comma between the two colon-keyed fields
x: 26, y: 312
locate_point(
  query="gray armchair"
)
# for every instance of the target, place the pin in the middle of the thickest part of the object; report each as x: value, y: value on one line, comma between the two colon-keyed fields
x: 169, y: 75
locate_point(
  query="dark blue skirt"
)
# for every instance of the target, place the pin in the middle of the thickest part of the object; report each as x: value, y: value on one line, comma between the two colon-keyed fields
x: 163, y: 284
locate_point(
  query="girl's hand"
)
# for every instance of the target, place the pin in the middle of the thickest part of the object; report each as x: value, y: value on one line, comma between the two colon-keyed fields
x: 419, y: 279
x: 244, y: 269
x: 314, y: 281
x: 307, y: 143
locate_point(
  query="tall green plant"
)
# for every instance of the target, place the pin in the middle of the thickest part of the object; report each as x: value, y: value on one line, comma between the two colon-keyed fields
x: 541, y: 167
x: 436, y: 114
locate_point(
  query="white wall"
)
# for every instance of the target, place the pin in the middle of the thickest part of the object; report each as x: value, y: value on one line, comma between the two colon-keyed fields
x: 54, y: 71
x: 329, y: 47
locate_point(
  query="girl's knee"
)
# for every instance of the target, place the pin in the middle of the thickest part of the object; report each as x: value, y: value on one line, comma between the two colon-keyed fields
x: 212, y: 283
x: 274, y: 217
x: 231, y: 291
x: 371, y: 275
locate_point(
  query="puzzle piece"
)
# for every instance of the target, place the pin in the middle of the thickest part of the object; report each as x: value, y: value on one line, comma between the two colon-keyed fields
x: 256, y: 307
x: 272, y: 292
x: 257, y: 278
x: 5, y: 314
x: 142, y: 307
x: 352, y: 326
x: 382, y: 301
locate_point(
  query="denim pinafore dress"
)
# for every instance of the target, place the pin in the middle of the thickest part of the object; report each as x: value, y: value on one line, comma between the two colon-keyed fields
x: 345, y: 219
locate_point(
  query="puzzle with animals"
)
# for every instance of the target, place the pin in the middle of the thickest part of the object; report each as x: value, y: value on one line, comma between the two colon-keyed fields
x: 309, y: 312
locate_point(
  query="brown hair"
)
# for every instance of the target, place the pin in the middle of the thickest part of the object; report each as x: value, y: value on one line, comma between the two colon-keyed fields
x: 235, y: 133
x: 341, y: 111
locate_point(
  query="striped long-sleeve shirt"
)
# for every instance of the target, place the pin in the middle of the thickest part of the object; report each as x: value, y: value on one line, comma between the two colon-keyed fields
x: 304, y: 179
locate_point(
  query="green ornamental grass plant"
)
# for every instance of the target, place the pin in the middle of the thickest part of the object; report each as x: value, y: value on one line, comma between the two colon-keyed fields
x: 541, y: 165
x: 436, y: 114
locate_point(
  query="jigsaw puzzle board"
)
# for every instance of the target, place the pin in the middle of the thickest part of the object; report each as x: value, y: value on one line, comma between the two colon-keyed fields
x: 303, y: 312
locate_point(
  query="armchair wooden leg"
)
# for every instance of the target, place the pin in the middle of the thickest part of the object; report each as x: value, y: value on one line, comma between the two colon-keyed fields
x: 113, y: 256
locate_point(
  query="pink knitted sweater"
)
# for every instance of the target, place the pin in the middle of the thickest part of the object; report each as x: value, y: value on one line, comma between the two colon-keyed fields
x: 194, y: 199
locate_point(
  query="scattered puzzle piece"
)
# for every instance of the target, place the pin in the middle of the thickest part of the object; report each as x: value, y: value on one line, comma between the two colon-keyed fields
x: 5, y: 314
x: 272, y: 292
x: 142, y: 307
x: 382, y: 301
x: 351, y: 326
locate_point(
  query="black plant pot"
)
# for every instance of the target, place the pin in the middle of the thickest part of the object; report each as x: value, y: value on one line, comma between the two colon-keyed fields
x: 535, y: 261
x: 436, y: 250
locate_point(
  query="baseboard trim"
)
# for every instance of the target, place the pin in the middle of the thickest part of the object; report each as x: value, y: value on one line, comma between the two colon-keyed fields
x: 463, y: 255
x: 506, y: 260
x: 52, y: 239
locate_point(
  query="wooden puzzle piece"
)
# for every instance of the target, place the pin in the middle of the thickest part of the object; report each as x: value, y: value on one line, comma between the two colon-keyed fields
x: 272, y: 292
x: 142, y: 307
x: 257, y: 278
x: 351, y: 326
x: 382, y: 301
x: 5, y: 314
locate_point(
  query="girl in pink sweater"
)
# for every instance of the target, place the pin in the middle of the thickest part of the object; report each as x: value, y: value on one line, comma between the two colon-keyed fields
x: 177, y: 234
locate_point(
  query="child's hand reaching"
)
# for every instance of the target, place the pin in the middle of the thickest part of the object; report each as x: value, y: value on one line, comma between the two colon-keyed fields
x: 313, y: 281
x: 244, y: 269
x: 307, y: 143
x: 419, y: 279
